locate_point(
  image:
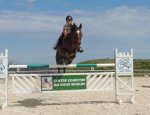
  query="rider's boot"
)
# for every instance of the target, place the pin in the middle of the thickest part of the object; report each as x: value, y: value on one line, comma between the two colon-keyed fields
x: 80, y: 50
x: 55, y: 47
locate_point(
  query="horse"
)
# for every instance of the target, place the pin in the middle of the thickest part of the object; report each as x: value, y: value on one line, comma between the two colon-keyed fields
x: 69, y: 47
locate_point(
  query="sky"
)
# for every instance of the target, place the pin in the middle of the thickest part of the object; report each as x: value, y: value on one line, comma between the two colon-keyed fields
x: 30, y: 28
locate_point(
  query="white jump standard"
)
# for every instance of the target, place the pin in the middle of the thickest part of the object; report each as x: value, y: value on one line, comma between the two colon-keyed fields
x: 124, y: 68
x: 4, y: 78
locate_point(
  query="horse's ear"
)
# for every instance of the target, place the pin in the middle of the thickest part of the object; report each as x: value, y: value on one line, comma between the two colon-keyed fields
x: 80, y: 26
x: 74, y: 25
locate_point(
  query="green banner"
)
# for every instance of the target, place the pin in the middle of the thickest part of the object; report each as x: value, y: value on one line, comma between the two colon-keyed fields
x: 65, y: 82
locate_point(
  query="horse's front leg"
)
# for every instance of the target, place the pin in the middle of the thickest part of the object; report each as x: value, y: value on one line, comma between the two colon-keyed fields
x: 64, y: 69
x: 58, y: 70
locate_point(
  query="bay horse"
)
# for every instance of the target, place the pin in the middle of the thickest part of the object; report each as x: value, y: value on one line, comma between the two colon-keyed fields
x: 67, y: 51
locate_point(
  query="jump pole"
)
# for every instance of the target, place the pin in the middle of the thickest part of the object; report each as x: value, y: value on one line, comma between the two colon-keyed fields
x: 61, y: 66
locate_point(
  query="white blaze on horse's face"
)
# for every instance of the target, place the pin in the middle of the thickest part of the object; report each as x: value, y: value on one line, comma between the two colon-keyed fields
x: 78, y: 31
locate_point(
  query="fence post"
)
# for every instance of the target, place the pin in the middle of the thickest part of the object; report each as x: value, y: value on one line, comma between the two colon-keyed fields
x: 124, y: 68
x: 4, y: 77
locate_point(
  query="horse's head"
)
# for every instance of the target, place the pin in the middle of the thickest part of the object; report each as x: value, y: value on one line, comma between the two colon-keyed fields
x: 77, y: 31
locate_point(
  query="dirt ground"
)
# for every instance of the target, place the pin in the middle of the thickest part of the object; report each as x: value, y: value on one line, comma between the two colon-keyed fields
x: 80, y: 103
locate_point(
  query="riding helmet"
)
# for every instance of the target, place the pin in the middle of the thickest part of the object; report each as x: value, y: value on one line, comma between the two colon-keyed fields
x: 69, y: 18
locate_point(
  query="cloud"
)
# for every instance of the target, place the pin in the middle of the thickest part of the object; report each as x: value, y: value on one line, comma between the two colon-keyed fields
x: 117, y: 23
x: 120, y: 22
x: 24, y: 3
x: 25, y: 22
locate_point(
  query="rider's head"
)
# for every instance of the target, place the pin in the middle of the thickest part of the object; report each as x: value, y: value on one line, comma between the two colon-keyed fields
x: 69, y: 19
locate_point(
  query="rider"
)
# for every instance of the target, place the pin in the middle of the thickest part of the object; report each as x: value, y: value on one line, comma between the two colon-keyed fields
x: 66, y: 31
